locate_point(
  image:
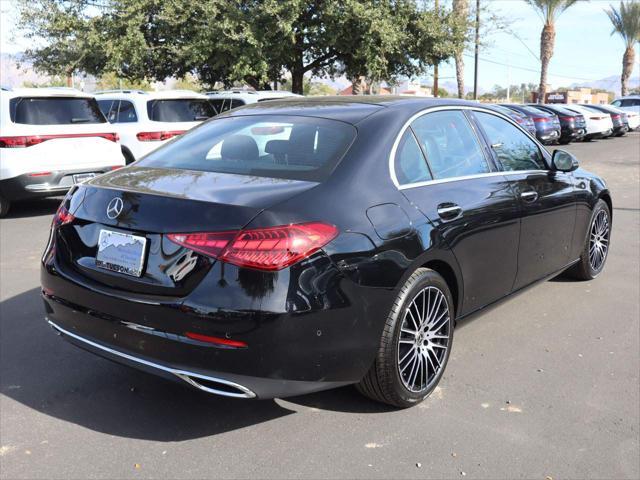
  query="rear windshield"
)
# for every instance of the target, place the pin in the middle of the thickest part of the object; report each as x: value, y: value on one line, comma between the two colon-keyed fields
x: 563, y: 111
x: 289, y: 147
x: 179, y: 110
x: 535, y: 111
x: 54, y: 111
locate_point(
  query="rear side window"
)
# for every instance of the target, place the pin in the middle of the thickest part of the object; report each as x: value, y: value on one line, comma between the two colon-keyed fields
x: 289, y: 147
x: 514, y: 149
x: 54, y: 110
x: 126, y: 112
x: 109, y: 109
x: 179, y: 110
x: 223, y: 104
x: 410, y: 165
x: 451, y: 146
x: 630, y: 102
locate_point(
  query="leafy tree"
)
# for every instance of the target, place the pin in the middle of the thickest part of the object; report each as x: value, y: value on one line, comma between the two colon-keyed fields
x: 72, y: 41
x: 626, y: 23
x: 247, y: 41
x: 549, y: 10
x: 110, y: 81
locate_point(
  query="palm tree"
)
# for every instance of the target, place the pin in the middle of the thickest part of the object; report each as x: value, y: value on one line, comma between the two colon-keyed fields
x: 549, y: 10
x: 626, y: 22
x: 461, y: 10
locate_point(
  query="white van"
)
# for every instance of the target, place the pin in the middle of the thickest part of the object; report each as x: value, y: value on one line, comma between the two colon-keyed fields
x: 51, y: 139
x: 146, y: 120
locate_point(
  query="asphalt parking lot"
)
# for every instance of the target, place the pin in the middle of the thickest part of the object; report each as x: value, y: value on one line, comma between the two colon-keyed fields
x: 546, y: 384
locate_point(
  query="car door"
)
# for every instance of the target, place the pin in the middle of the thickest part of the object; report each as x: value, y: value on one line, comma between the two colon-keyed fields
x: 547, y: 199
x: 470, y: 204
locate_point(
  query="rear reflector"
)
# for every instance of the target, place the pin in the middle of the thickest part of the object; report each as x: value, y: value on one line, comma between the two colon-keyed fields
x: 31, y: 140
x: 269, y: 249
x: 215, y: 340
x: 158, y: 136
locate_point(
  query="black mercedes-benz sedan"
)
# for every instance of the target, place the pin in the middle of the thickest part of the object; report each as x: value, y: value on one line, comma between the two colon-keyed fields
x: 298, y: 245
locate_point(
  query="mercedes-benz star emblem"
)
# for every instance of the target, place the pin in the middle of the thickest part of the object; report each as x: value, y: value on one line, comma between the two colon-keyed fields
x: 114, y: 208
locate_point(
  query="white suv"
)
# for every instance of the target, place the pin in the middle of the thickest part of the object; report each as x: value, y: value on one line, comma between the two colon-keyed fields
x: 146, y: 120
x: 223, y: 100
x: 51, y: 139
x: 631, y: 106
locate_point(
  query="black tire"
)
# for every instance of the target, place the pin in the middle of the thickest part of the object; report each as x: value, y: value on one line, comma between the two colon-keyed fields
x: 5, y: 205
x: 128, y: 156
x: 585, y: 269
x: 384, y: 382
x: 564, y: 142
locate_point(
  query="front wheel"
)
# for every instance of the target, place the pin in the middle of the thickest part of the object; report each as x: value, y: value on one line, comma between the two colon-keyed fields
x: 415, y: 345
x: 596, y: 248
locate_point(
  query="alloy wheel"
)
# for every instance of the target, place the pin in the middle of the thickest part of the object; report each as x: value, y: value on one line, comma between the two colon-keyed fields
x: 599, y: 240
x: 424, y: 339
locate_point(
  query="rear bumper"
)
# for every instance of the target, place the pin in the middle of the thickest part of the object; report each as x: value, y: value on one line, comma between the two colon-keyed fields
x: 548, y: 135
x: 289, y: 352
x: 54, y: 183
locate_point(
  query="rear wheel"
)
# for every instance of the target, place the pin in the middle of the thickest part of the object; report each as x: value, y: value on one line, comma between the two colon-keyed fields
x: 415, y: 343
x: 596, y: 248
x: 4, y: 207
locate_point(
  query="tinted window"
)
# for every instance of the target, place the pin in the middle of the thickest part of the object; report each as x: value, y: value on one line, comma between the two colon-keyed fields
x: 410, y: 166
x: 55, y: 111
x: 534, y: 110
x: 237, y: 103
x: 630, y: 102
x: 127, y: 112
x: 300, y: 148
x: 514, y: 149
x: 179, y: 110
x: 109, y: 109
x: 452, y: 148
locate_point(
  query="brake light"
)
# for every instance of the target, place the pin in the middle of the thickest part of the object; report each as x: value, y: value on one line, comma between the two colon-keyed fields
x: 158, y: 136
x: 567, y: 119
x: 540, y: 119
x: 269, y: 249
x: 215, y: 340
x: 615, y: 116
x: 62, y: 217
x: 31, y: 140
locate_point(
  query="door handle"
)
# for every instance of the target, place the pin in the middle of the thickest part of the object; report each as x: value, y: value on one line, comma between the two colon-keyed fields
x: 449, y: 211
x: 530, y: 196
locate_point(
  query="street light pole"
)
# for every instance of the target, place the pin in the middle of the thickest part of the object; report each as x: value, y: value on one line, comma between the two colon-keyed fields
x: 475, y: 70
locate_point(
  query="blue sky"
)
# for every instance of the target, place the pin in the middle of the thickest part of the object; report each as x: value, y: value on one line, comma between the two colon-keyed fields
x: 585, y: 51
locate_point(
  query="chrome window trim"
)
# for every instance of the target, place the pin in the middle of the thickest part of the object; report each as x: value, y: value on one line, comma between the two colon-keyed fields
x: 428, y: 110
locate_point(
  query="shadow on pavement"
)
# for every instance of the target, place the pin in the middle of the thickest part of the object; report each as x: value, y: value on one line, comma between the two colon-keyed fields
x: 34, y: 208
x: 45, y: 373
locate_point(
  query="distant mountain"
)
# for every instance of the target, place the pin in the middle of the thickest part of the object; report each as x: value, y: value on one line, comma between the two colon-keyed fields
x: 611, y: 83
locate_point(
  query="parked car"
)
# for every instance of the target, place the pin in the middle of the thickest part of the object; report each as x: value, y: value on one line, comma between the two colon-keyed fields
x: 51, y: 139
x: 223, y: 100
x: 572, y: 124
x: 146, y: 120
x: 523, y: 120
x: 618, y: 117
x: 599, y: 124
x: 631, y: 106
x: 341, y: 254
x: 547, y: 124
x: 630, y: 103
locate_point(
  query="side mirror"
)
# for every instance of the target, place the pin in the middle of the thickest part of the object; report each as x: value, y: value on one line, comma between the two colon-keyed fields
x: 564, y: 161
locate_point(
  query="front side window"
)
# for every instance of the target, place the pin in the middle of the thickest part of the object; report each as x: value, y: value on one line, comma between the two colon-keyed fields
x: 410, y: 165
x: 514, y: 149
x: 179, y: 110
x: 451, y: 146
x: 55, y: 110
x: 289, y: 147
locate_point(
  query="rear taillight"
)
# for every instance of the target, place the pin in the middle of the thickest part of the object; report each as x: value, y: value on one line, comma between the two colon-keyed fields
x: 62, y: 217
x: 31, y: 140
x: 272, y: 248
x: 540, y: 119
x: 158, y: 136
x: 615, y: 117
x: 567, y: 119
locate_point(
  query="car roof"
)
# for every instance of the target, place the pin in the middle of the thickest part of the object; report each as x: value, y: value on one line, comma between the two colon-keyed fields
x: 45, y: 92
x: 162, y: 94
x: 349, y: 108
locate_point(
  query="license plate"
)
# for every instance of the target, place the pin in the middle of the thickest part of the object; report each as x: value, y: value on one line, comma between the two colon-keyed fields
x: 121, y: 252
x: 82, y: 177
